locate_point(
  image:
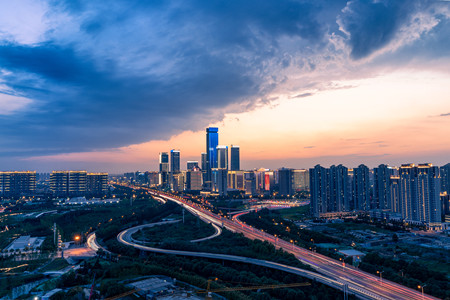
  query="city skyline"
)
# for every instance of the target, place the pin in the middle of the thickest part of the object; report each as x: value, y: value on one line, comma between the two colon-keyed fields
x: 294, y: 84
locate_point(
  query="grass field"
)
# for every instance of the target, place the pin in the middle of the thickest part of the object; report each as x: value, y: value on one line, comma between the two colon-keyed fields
x: 295, y: 213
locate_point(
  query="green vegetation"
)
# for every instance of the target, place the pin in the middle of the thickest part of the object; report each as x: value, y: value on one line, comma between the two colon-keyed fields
x: 295, y: 213
x: 273, y: 223
x: 415, y: 272
x: 56, y: 265
x: 9, y: 282
x: 192, y: 229
x: 411, y: 274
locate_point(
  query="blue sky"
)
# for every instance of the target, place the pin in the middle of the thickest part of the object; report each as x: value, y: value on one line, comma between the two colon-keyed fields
x: 92, y: 77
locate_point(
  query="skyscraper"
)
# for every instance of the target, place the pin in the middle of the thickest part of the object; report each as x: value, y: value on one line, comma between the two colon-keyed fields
x: 174, y: 161
x: 428, y: 194
x: 382, y: 189
x: 285, y: 182
x: 318, y: 184
x: 163, y: 168
x: 163, y: 162
x: 212, y: 141
x: 408, y: 205
x: 219, y: 181
x: 445, y: 178
x: 204, y: 161
x: 222, y: 157
x: 361, y: 187
x: 235, y: 158
x: 338, y: 198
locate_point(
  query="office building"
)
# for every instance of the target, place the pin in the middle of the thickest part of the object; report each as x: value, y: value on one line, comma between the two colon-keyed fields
x: 212, y: 141
x: 163, y: 162
x: 249, y: 183
x: 204, y: 161
x: 285, y: 182
x: 219, y: 181
x: 191, y: 165
x: 163, y: 168
x: 175, y: 161
x: 235, y: 164
x: 269, y: 181
x: 260, y: 180
x: 204, y: 167
x: 222, y: 157
x: 236, y: 180
x: 193, y: 180
x: 97, y: 184
x: 177, y: 182
x: 17, y: 183
x: 300, y: 180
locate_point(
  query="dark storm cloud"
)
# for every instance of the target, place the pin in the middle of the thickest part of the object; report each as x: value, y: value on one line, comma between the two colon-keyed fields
x: 113, y: 73
x: 86, y: 97
x: 373, y: 24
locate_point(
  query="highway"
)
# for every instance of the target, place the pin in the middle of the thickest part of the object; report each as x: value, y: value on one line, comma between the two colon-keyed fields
x: 358, y: 282
x: 125, y: 237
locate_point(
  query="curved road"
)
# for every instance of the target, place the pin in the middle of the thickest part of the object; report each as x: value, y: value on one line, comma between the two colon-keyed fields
x: 125, y: 238
x: 358, y: 282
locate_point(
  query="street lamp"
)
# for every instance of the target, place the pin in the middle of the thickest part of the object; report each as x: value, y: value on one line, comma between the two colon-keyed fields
x: 421, y: 287
x: 381, y: 277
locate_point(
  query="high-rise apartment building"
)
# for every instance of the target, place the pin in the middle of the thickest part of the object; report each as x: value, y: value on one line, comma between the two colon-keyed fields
x: 445, y: 178
x: 68, y: 183
x: 175, y: 161
x: 17, y: 183
x: 97, y: 183
x: 235, y: 164
x: 382, y: 187
x: 338, y: 198
x: 408, y: 201
x: 319, y: 187
x: 361, y: 187
x: 427, y: 191
x: 222, y: 157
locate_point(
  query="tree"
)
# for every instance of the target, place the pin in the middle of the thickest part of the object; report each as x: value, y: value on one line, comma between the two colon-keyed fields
x: 395, y: 238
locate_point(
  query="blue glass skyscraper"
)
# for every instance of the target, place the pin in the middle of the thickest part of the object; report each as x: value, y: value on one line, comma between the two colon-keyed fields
x: 212, y: 140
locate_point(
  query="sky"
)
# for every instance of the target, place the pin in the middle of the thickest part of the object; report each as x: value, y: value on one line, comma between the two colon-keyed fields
x: 107, y: 85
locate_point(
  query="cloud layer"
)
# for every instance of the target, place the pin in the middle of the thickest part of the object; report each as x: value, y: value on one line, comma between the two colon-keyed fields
x: 103, y: 75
